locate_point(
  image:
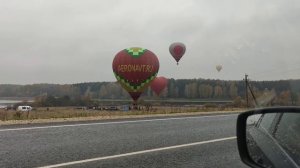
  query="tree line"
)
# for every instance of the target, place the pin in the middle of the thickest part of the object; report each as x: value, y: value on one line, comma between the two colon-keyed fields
x: 281, y: 92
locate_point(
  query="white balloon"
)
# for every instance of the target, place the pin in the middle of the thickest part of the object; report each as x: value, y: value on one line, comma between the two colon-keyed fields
x: 219, y: 68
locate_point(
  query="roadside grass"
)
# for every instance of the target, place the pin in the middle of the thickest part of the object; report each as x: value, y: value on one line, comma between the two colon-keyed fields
x: 70, y: 112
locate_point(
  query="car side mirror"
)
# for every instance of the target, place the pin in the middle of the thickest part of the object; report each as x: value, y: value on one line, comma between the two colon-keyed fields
x: 269, y: 137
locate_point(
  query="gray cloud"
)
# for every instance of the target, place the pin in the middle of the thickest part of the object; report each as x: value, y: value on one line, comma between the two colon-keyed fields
x: 68, y: 41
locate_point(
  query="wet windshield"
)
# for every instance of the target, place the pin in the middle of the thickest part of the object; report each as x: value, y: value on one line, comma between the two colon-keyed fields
x: 139, y: 83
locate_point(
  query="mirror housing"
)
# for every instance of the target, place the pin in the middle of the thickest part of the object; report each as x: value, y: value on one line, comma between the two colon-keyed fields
x: 241, y: 129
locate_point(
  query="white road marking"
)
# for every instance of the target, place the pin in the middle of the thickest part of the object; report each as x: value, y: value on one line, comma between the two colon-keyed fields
x: 138, y: 152
x: 114, y: 122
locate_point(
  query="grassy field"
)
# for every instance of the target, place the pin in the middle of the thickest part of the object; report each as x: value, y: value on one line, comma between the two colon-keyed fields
x: 70, y: 112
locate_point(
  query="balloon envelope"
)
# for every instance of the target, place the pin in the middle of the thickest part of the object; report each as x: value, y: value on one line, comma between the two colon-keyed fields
x: 177, y: 50
x: 134, y: 69
x: 219, y: 68
x: 159, y: 84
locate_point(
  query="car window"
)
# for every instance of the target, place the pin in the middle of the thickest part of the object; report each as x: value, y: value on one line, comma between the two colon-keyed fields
x: 267, y: 122
x: 288, y: 134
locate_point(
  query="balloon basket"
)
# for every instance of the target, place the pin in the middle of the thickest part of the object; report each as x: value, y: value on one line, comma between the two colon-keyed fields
x: 135, y: 105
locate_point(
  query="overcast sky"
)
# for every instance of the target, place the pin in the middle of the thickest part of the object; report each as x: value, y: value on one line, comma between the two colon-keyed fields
x: 72, y: 41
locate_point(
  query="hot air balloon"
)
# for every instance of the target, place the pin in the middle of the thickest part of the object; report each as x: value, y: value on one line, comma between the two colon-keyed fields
x: 134, y: 69
x: 219, y: 68
x: 177, y: 50
x: 159, y: 84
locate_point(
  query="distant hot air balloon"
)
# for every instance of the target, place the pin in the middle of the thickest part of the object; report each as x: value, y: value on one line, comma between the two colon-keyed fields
x: 159, y: 84
x: 134, y: 69
x: 177, y: 50
x: 219, y: 68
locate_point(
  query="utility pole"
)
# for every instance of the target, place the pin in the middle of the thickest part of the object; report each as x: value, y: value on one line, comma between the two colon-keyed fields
x: 246, y: 89
x: 251, y: 91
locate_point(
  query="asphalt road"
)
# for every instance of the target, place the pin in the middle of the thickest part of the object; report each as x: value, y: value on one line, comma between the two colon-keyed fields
x: 199, y: 141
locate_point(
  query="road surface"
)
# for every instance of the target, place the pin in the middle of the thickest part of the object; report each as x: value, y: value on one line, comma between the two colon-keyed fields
x: 197, y: 141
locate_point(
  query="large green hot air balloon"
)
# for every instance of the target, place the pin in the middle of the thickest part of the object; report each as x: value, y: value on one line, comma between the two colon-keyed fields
x: 134, y: 69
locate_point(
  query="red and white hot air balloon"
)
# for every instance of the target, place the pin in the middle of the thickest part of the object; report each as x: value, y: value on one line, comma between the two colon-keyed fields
x: 177, y: 50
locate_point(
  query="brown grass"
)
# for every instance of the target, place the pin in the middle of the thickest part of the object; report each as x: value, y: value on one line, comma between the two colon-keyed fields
x: 69, y: 112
